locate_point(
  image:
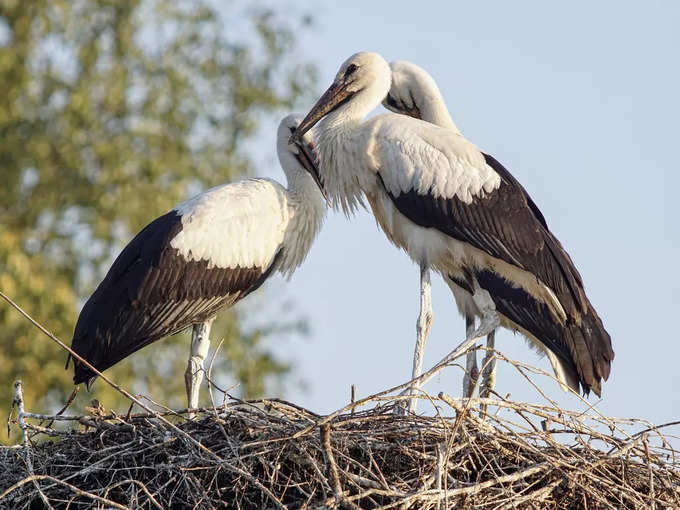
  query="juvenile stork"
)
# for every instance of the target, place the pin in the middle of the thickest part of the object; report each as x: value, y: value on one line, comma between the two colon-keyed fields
x: 415, y: 93
x: 453, y: 209
x: 201, y: 257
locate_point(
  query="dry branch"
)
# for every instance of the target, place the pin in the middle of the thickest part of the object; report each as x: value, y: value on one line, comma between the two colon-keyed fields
x: 271, y: 453
x: 369, y: 459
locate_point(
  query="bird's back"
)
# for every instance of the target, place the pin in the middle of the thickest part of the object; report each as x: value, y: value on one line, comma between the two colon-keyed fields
x: 181, y: 269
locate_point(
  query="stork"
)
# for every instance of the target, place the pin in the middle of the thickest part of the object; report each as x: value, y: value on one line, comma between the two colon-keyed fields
x: 458, y: 211
x: 201, y: 257
x: 415, y: 93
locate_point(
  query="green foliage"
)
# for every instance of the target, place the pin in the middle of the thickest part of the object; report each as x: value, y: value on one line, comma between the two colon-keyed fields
x: 110, y: 113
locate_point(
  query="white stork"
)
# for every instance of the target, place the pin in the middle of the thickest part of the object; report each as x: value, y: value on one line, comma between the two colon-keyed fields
x: 458, y: 211
x: 204, y: 255
x: 415, y: 93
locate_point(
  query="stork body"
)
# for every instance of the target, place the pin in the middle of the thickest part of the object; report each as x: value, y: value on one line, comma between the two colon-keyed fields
x: 453, y: 209
x: 201, y: 257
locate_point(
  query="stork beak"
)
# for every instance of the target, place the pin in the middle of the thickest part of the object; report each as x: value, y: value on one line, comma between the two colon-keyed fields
x: 397, y: 107
x: 336, y: 95
x: 307, y: 158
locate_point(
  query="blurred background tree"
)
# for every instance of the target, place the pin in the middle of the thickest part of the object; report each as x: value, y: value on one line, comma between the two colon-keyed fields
x: 110, y: 113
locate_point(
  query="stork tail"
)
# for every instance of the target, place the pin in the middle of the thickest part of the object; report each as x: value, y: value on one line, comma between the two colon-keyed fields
x: 592, y: 350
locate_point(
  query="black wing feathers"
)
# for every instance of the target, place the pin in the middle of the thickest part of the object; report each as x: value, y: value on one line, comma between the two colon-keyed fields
x: 506, y: 224
x: 508, y: 177
x: 585, y: 347
x: 554, y: 245
x: 521, y: 307
x: 151, y: 292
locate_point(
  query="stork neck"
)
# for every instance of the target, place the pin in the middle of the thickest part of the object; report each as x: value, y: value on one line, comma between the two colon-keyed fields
x: 433, y: 109
x: 336, y: 124
x: 306, y: 210
x: 303, y: 189
x: 340, y: 161
x: 436, y: 113
x: 353, y: 112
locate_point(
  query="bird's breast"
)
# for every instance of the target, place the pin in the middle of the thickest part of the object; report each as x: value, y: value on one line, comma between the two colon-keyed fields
x: 423, y: 245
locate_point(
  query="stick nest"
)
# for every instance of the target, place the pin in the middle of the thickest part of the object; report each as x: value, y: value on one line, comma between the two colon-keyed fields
x: 273, y: 454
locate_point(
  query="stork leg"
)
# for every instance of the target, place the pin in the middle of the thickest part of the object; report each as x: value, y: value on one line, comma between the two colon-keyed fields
x: 471, y: 370
x: 193, y: 376
x: 488, y: 369
x: 424, y: 320
x: 490, y: 321
x: 422, y: 330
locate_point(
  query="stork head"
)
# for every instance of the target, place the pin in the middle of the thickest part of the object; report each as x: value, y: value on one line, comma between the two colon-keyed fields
x: 297, y: 154
x: 409, y: 81
x: 415, y: 93
x: 361, y: 83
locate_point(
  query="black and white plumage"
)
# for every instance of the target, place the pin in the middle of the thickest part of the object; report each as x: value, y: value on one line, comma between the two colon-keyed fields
x: 414, y: 92
x: 456, y: 210
x: 204, y: 255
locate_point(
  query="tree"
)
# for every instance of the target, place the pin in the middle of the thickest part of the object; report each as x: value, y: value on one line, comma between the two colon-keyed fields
x: 110, y: 113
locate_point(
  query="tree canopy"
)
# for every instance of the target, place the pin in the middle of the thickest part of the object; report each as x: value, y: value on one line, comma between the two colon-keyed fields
x: 110, y: 113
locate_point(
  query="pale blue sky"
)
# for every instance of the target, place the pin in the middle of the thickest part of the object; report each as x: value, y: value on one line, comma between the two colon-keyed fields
x: 580, y: 102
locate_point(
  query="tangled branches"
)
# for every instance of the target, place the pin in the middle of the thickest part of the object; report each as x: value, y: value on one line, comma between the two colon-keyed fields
x: 274, y: 454
x: 481, y: 453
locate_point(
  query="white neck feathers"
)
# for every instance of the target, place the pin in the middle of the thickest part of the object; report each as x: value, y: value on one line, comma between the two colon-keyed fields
x: 341, y: 152
x: 306, y: 210
x: 433, y: 110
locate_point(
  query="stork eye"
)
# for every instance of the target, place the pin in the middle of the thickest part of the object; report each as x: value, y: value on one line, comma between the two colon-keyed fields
x: 350, y: 69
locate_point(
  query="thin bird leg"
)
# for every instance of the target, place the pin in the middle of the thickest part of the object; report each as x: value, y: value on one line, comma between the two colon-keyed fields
x: 490, y: 321
x: 200, y: 343
x: 422, y: 330
x: 488, y: 369
x: 424, y: 320
x: 471, y: 370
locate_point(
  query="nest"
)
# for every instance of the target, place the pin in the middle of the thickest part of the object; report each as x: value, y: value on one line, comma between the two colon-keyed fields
x: 471, y: 453
x: 274, y: 454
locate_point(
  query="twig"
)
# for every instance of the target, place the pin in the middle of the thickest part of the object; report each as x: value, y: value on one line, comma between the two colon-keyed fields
x: 19, y: 402
x: 76, y: 490
x: 333, y: 467
x: 535, y: 496
x: 439, y: 473
x: 353, y: 396
x: 209, y: 377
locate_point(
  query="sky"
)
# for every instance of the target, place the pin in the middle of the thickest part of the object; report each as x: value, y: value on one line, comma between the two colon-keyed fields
x: 580, y: 102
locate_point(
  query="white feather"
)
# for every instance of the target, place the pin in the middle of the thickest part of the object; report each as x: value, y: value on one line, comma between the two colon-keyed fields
x: 414, y: 155
x: 239, y: 224
x: 247, y: 223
